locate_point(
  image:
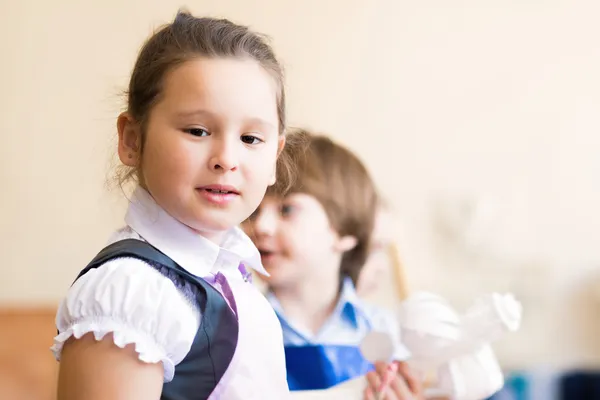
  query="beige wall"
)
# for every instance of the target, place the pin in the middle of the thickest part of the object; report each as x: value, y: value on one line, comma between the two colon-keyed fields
x: 492, y: 103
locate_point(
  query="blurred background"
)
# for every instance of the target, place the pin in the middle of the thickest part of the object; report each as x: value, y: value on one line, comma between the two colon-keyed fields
x: 478, y: 119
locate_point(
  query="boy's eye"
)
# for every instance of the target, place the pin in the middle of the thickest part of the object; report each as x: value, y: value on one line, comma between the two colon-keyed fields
x: 286, y: 210
x: 249, y: 139
x: 197, y: 131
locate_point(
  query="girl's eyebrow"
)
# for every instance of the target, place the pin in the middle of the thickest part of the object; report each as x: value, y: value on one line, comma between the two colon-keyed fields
x: 260, y: 122
x: 195, y: 113
x: 208, y: 114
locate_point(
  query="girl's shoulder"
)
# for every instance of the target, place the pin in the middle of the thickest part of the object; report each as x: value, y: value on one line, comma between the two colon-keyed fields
x: 136, y: 303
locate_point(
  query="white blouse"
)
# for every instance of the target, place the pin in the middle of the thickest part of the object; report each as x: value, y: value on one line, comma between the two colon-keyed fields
x: 139, y: 305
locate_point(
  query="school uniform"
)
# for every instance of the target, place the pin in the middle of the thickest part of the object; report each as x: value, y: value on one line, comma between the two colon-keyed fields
x: 332, y: 355
x: 184, y: 302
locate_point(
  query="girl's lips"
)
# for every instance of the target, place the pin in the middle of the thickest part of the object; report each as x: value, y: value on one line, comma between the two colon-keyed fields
x: 217, y: 197
x: 221, y: 188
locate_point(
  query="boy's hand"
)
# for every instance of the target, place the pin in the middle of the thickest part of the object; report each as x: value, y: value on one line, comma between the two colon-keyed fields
x: 404, y: 386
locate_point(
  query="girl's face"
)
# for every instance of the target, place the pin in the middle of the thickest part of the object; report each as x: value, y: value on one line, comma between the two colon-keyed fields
x: 211, y: 143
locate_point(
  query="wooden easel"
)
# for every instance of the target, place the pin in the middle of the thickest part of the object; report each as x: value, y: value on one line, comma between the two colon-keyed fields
x: 398, y: 271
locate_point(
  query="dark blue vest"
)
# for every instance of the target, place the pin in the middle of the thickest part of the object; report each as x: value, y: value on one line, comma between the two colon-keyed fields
x: 215, y: 342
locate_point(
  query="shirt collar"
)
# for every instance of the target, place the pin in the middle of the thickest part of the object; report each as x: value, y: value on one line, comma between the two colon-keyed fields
x: 349, y: 305
x: 186, y: 247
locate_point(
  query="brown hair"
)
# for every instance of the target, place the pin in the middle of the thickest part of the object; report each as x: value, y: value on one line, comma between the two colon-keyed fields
x: 188, y: 38
x: 341, y: 183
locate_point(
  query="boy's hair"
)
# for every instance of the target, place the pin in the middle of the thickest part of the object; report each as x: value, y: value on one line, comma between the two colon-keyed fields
x: 188, y: 38
x: 341, y: 183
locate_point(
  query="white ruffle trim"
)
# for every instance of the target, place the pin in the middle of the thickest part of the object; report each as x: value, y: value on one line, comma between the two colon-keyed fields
x: 148, y: 350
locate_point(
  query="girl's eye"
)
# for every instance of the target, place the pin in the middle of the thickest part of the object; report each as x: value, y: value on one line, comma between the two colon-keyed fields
x: 249, y: 139
x: 197, y: 131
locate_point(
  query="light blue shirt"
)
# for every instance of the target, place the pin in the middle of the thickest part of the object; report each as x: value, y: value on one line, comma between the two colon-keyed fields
x: 351, y: 320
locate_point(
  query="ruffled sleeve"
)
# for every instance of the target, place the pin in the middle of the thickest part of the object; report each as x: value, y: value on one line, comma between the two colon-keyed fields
x: 138, y: 305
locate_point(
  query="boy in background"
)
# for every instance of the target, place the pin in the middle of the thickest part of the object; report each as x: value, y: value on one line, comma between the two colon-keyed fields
x: 314, y: 238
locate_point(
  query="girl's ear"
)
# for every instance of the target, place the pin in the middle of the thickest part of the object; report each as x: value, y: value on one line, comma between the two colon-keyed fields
x: 280, y: 146
x: 130, y: 139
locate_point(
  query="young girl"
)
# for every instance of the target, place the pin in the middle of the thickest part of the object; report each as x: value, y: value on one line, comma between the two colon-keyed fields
x: 168, y: 300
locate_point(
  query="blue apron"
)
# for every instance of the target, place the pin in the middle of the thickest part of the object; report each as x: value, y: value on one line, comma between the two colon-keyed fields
x: 313, y: 367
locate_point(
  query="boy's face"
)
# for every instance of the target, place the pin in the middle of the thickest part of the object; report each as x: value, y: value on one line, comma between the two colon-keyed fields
x: 296, y: 240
